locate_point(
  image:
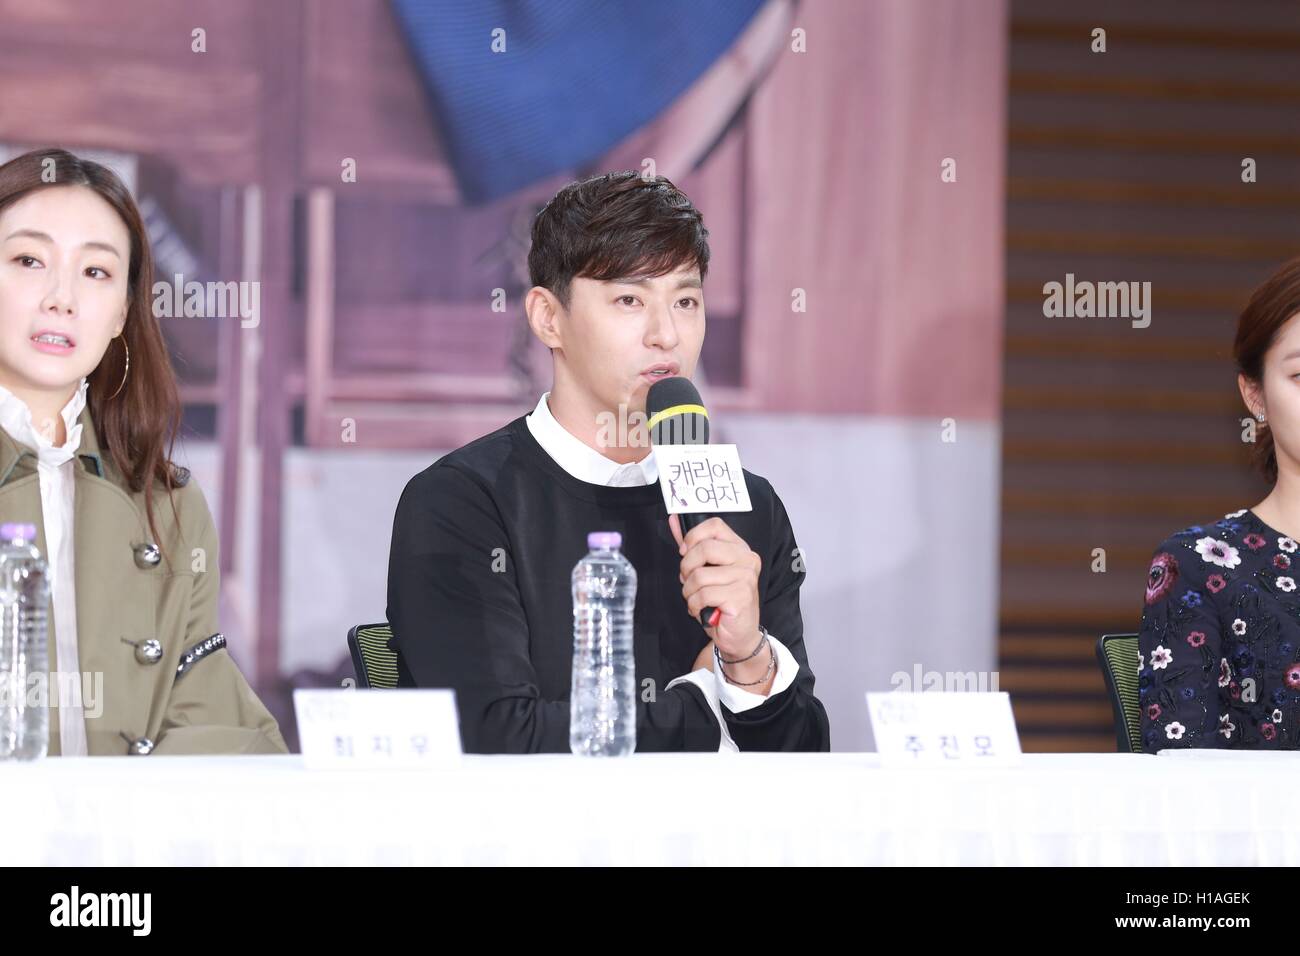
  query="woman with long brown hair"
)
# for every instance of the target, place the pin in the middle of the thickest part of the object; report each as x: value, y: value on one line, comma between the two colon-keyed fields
x: 1220, y: 641
x: 89, y: 411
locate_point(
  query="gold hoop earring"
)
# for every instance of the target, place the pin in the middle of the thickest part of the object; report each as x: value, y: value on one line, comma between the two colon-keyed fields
x: 125, y: 370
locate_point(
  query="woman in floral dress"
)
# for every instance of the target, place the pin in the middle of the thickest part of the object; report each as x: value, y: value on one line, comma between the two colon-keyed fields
x: 1220, y: 636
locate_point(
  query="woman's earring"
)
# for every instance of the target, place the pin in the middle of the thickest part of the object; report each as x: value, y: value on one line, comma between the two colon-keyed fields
x: 1260, y: 416
x: 128, y: 369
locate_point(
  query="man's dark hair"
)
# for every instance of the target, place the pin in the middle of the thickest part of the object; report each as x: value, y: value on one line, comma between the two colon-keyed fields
x: 615, y: 226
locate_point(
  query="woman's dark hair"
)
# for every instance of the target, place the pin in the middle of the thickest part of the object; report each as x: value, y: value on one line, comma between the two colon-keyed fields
x: 137, y: 426
x: 614, y: 226
x: 1270, y: 307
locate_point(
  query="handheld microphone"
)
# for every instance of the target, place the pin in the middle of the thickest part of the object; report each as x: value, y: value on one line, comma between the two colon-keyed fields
x: 677, y: 416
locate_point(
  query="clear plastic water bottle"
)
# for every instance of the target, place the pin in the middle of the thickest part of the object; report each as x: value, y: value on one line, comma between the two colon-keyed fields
x: 602, y: 708
x: 24, y: 653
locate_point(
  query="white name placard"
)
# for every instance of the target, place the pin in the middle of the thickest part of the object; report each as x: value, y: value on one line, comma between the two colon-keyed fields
x: 701, y: 478
x: 406, y: 728
x: 944, y: 729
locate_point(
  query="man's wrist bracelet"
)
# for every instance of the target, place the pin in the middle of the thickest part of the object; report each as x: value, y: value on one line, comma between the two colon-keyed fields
x: 740, y: 660
x: 771, y: 667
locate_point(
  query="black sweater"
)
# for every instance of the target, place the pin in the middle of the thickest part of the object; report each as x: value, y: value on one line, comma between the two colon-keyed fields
x: 484, y: 542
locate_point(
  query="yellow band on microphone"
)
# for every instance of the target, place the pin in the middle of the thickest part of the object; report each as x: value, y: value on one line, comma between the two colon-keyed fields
x: 669, y: 412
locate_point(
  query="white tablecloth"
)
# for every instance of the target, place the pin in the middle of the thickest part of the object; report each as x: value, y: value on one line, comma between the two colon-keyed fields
x: 1081, y: 809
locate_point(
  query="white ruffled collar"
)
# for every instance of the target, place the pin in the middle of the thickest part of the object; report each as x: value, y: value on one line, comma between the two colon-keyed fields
x: 16, y: 419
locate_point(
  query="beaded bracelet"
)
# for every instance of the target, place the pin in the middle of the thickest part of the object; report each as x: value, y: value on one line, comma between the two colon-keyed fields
x: 771, y: 666
x: 740, y: 660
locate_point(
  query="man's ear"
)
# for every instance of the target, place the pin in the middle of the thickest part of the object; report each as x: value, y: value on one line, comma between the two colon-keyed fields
x: 1251, y: 394
x: 544, y: 313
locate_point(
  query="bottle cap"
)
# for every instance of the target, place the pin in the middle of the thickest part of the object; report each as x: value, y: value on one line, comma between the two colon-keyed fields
x: 604, y: 541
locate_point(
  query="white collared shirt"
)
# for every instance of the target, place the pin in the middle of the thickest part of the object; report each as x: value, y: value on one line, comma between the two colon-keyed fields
x: 587, y: 464
x: 56, y: 468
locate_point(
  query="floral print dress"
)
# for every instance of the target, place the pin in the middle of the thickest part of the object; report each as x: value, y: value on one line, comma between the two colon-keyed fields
x: 1220, y: 636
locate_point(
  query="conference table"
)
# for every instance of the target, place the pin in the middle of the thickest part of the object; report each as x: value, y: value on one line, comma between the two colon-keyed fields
x: 1210, y: 808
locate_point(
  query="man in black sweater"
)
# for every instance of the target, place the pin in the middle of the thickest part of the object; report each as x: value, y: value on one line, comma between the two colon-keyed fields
x: 484, y: 540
